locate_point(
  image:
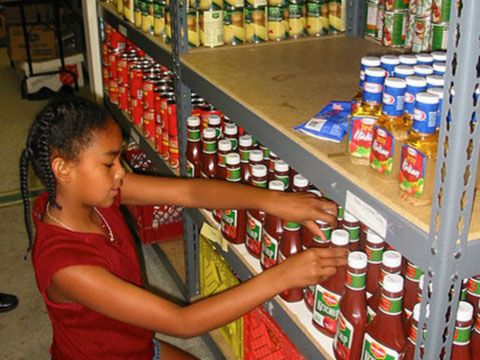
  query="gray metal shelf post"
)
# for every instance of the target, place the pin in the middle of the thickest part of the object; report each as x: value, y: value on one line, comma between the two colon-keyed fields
x: 355, y: 17
x: 456, y: 171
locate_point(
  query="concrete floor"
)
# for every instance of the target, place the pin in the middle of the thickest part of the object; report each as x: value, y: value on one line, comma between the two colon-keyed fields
x: 25, y: 333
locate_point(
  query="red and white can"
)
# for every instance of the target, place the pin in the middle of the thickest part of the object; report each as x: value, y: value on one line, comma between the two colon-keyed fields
x: 112, y: 64
x: 123, y: 97
x: 136, y: 82
x: 113, y: 91
x: 122, y: 69
x: 149, y: 124
x: 136, y: 107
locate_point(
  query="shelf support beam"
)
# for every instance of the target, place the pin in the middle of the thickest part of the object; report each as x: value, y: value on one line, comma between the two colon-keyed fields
x: 355, y: 17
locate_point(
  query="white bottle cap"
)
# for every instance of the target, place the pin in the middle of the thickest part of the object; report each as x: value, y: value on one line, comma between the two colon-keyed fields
x: 321, y: 222
x: 214, y: 120
x: 408, y: 59
x: 436, y: 91
x: 423, y: 69
x: 424, y: 58
x: 224, y: 145
x: 300, y: 181
x: 340, y: 237
x: 395, y: 82
x: 416, y: 311
x: 439, y: 67
x: 417, y: 81
x: 256, y: 155
x: 230, y: 129
x: 246, y: 140
x: 370, y: 61
x: 281, y: 166
x: 426, y: 98
x: 390, y: 59
x: 233, y: 159
x: 436, y: 80
x: 439, y: 56
x: 373, y: 237
x: 420, y: 281
x: 393, y: 283
x: 273, y: 155
x: 392, y: 259
x: 209, y: 133
x: 465, y: 311
x: 276, y: 185
x: 404, y: 70
x: 357, y: 260
x: 316, y: 192
x: 259, y: 170
x: 375, y: 71
x: 193, y: 121
x: 349, y: 217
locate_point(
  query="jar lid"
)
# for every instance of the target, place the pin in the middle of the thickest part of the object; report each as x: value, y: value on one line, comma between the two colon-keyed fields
x: 230, y: 129
x: 424, y: 58
x: 209, y: 133
x: 423, y: 69
x: 224, y: 145
x: 214, y: 120
x: 281, y: 166
x: 408, y: 59
x: 390, y: 59
x: 340, y: 237
x: 193, y: 121
x: 375, y: 71
x: 395, y: 82
x: 439, y: 56
x: 436, y: 91
x: 259, y: 170
x: 465, y: 311
x: 393, y: 283
x: 245, y: 140
x: 256, y: 155
x: 272, y: 154
x: 417, y: 81
x: 436, y: 80
x: 276, y: 185
x: 373, y: 237
x: 349, y: 217
x: 357, y: 260
x: 404, y: 70
x: 392, y: 259
x: 439, y: 67
x: 233, y: 159
x: 426, y: 98
x: 370, y: 61
x: 300, y: 181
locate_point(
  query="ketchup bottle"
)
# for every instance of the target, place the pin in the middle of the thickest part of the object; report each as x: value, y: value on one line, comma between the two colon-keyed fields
x: 463, y: 292
x: 272, y: 233
x: 224, y: 148
x: 413, y: 333
x: 391, y: 264
x: 245, y: 146
x: 209, y: 153
x: 256, y: 158
x: 374, y: 248
x: 352, y: 225
x: 272, y: 158
x: 385, y: 335
x: 300, y: 184
x: 230, y: 133
x: 290, y: 244
x: 329, y: 293
x: 233, y: 221
x: 475, y: 338
x: 473, y: 291
x: 463, y: 328
x: 352, y: 319
x: 256, y: 218
x: 215, y: 122
x: 412, y: 277
x: 282, y: 173
x: 194, y: 148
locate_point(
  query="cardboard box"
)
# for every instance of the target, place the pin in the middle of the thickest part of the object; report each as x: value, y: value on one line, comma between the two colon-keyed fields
x: 41, y: 40
x: 33, y: 13
x: 54, y: 81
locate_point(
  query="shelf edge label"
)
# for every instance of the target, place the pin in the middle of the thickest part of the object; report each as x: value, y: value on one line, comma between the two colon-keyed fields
x: 366, y: 214
x: 134, y: 135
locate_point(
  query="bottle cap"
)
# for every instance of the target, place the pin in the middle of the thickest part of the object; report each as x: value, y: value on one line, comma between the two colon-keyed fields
x: 416, y: 311
x: 316, y: 192
x: 245, y: 140
x: 349, y: 217
x: 436, y: 80
x: 281, y: 166
x: 375, y: 71
x: 439, y: 67
x: 393, y: 283
x: 224, y: 145
x: 439, y: 56
x: 404, y: 70
x: 300, y: 181
x: 255, y: 155
x: 423, y: 69
x: 357, y: 260
x: 340, y: 237
x: 424, y: 58
x: 436, y: 91
x: 193, y: 121
x: 370, y: 61
x: 417, y: 81
x: 390, y: 60
x: 273, y: 155
x: 465, y: 311
x: 426, y: 98
x: 373, y: 238
x: 392, y: 259
x: 230, y: 129
x: 408, y: 59
x: 321, y: 222
x: 276, y: 185
x: 214, y: 120
x: 420, y: 282
x: 395, y: 82
x: 209, y: 133
x: 233, y: 159
x: 259, y: 170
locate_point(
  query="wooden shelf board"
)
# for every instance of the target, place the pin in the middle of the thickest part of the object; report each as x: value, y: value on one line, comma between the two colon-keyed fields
x: 173, y: 250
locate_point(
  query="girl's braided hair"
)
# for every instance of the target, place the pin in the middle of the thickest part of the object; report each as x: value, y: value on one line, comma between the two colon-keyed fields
x: 64, y: 127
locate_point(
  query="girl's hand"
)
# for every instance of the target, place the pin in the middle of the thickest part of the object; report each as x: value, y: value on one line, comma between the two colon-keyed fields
x: 309, y: 267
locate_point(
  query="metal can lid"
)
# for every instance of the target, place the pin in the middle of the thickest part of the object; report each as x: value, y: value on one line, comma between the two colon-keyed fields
x: 440, y: 67
x: 392, y: 259
x: 407, y: 59
x: 436, y: 91
x: 281, y: 166
x: 209, y: 133
x: 373, y: 238
x: 424, y: 58
x: 340, y: 237
x: 395, y: 82
x: 404, y: 70
x: 426, y: 98
x: 465, y: 311
x: 230, y: 129
x: 245, y: 140
x: 256, y: 155
x: 276, y: 185
x: 390, y: 59
x: 349, y: 217
x: 375, y: 71
x: 193, y: 121
x: 417, y: 81
x: 357, y: 260
x: 259, y: 170
x: 439, y: 56
x: 370, y: 61
x: 393, y: 283
x: 214, y: 120
x: 436, y: 80
x: 423, y: 69
x: 300, y: 181
x: 233, y: 159
x: 224, y: 145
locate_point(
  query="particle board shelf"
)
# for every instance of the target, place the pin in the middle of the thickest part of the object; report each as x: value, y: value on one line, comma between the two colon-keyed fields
x: 173, y: 250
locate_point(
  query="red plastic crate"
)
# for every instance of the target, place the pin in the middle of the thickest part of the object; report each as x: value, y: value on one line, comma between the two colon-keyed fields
x: 264, y: 340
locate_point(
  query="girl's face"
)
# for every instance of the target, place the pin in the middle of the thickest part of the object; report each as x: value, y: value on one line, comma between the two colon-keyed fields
x: 98, y: 174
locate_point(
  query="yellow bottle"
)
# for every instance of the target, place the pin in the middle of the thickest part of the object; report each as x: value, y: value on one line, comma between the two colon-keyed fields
x: 372, y: 92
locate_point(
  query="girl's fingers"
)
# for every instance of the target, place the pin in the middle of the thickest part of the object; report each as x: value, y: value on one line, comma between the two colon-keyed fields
x: 314, y: 229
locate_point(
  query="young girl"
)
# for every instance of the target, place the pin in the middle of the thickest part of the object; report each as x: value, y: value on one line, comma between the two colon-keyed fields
x: 84, y: 257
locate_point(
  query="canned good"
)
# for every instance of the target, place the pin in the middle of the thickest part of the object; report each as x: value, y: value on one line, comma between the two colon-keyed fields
x: 255, y: 3
x: 113, y: 91
x: 255, y: 20
x: 148, y: 95
x: 278, y: 3
x: 412, y: 7
x: 421, y: 35
x: 105, y: 77
x: 208, y: 5
x: 234, y: 3
x: 372, y: 14
x: 122, y: 69
x: 128, y: 10
x: 392, y: 5
x: 440, y: 11
x: 173, y: 158
x: 336, y: 15
x: 211, y: 28
x: 424, y: 8
x: 233, y: 31
x: 439, y: 36
x: 208, y: 110
x: 105, y: 53
x: 314, y: 19
x: 120, y: 6
x: 147, y: 16
x: 149, y: 124
x: 380, y: 20
x: 168, y: 26
x: 158, y: 19
x: 395, y: 28
x: 165, y: 127
x: 324, y: 15
x: 136, y: 108
x: 410, y: 32
x: 296, y: 23
x: 192, y: 25
x: 158, y: 138
x: 275, y: 24
x: 112, y: 64
x: 137, y: 13
x: 123, y: 97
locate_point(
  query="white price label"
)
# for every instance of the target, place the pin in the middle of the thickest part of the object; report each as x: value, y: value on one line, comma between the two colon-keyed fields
x: 134, y: 135
x: 122, y: 30
x: 366, y: 214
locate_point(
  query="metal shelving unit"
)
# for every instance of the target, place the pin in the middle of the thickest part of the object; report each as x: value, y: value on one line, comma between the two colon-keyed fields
x: 269, y: 97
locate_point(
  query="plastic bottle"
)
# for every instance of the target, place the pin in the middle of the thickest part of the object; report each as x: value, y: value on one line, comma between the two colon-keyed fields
x: 435, y: 81
x: 412, y: 277
x: 424, y: 58
x: 366, y: 62
x: 224, y: 148
x: 300, y: 184
x: 255, y: 158
x: 374, y: 249
x: 439, y: 92
x: 439, y: 56
x: 290, y: 244
x: 272, y: 233
x: 415, y: 85
x: 233, y: 221
x: 475, y: 337
x: 463, y: 328
x: 194, y: 147
x: 473, y: 292
x: 439, y: 68
x: 413, y: 332
x: 245, y: 145
x: 256, y: 218
x: 402, y: 71
x: 271, y: 159
x: 209, y: 153
x: 230, y: 132
x: 423, y: 70
x: 282, y: 173
x: 372, y: 92
x: 352, y: 319
x: 408, y: 59
x: 328, y: 294
x: 351, y: 224
x: 388, y: 63
x: 215, y: 122
x: 385, y: 335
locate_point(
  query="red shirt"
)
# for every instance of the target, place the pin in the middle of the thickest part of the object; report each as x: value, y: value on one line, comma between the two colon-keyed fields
x: 78, y: 332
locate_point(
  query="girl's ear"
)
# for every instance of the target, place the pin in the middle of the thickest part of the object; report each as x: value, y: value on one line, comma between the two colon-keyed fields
x: 61, y: 169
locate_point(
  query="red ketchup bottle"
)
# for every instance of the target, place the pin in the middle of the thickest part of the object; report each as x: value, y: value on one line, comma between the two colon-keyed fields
x: 300, y: 184
x: 256, y: 158
x: 234, y: 220
x: 245, y: 146
x: 282, y: 173
x: 374, y: 248
x: 412, y: 277
x: 475, y: 338
x: 352, y: 319
x: 230, y: 132
x: 194, y: 147
x: 271, y: 158
x: 272, y: 233
x: 290, y: 244
x: 473, y: 291
x: 463, y: 329
x: 256, y: 218
x: 209, y: 153
x: 328, y: 294
x: 413, y: 333
x: 215, y: 122
x: 224, y: 148
x: 352, y: 225
x: 391, y: 264
x: 385, y: 335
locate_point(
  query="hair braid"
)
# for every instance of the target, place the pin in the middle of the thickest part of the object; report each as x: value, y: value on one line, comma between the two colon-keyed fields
x: 24, y: 160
